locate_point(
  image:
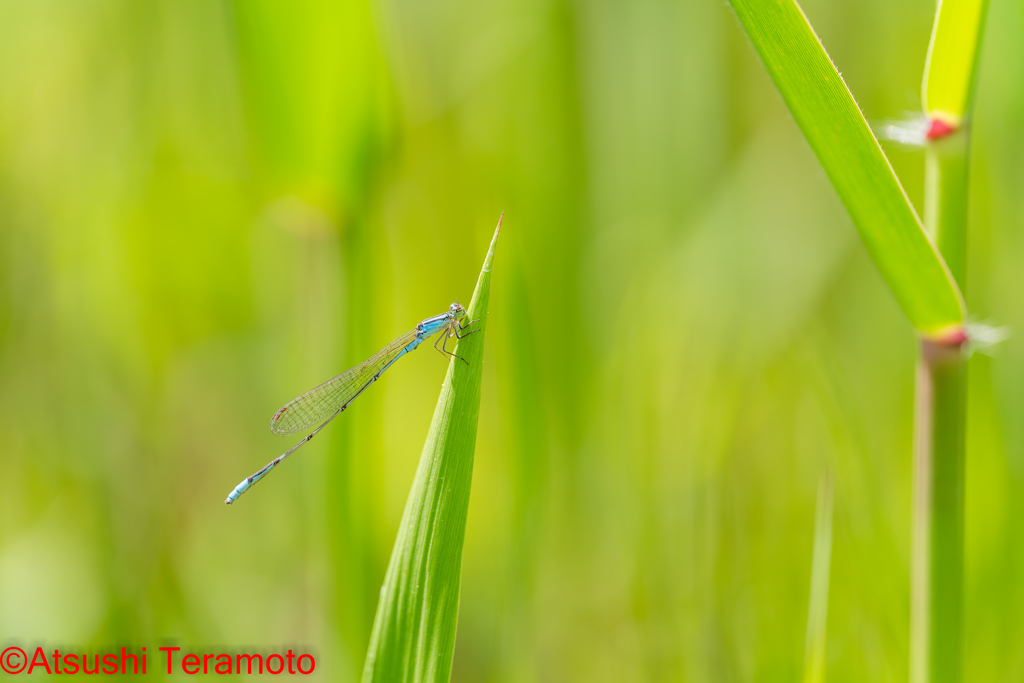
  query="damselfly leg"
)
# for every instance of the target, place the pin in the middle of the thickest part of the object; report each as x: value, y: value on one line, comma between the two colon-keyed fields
x: 443, y: 340
x: 453, y: 330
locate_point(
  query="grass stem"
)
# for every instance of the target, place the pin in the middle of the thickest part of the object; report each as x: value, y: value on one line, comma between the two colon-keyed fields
x: 936, y: 623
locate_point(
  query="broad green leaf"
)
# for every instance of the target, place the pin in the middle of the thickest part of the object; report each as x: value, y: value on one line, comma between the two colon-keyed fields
x: 414, y: 631
x: 953, y: 58
x: 840, y: 137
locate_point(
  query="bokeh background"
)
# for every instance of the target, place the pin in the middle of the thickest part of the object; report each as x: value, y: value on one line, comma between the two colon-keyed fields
x: 208, y: 207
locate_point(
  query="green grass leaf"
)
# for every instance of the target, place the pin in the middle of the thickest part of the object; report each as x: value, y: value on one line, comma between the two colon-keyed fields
x: 953, y: 59
x: 414, y: 631
x: 844, y: 144
x: 817, y: 611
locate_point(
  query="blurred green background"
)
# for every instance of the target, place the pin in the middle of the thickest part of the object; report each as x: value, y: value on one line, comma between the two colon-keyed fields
x: 208, y: 207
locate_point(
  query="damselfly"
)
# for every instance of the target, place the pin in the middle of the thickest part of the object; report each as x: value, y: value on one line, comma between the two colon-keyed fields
x: 318, y: 406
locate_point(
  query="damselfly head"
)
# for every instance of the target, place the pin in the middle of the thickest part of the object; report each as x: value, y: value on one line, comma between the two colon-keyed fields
x: 457, y: 311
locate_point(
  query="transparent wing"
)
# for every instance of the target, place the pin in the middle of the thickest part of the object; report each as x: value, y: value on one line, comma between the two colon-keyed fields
x: 319, y: 403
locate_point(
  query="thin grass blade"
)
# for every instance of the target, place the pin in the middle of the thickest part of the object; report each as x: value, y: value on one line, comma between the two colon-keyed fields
x: 413, y: 636
x: 817, y: 611
x: 854, y: 162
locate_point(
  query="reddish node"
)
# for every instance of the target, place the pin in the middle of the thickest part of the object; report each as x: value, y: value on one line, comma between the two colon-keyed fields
x: 939, y: 129
x: 953, y: 337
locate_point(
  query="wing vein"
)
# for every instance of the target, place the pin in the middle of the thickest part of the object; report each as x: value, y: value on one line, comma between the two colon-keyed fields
x: 319, y: 403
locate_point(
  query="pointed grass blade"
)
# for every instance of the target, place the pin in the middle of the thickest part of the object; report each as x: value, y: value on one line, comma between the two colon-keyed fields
x: 413, y: 634
x: 953, y: 59
x: 817, y: 611
x: 836, y: 129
